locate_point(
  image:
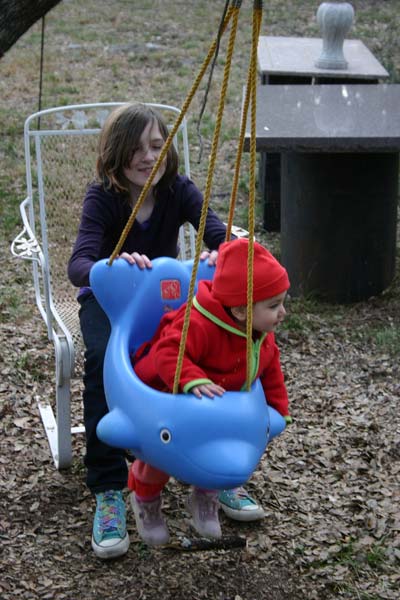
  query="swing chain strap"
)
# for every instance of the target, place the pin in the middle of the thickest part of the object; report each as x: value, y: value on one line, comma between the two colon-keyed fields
x: 239, y: 153
x: 168, y: 141
x: 257, y: 16
x: 207, y: 194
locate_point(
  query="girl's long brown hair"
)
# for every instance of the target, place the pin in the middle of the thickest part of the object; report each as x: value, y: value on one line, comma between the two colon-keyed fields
x: 119, y: 138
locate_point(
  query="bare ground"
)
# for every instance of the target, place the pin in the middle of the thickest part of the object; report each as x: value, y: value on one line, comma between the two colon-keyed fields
x: 330, y: 484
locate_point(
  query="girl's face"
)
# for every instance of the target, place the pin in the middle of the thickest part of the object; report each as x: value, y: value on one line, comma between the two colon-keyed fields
x: 145, y: 155
x: 267, y: 314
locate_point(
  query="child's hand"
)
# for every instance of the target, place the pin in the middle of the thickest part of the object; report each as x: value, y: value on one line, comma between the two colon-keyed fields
x: 141, y: 260
x: 208, y: 389
x: 212, y: 257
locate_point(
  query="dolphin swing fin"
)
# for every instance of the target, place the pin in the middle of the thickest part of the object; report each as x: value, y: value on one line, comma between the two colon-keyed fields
x: 116, y: 429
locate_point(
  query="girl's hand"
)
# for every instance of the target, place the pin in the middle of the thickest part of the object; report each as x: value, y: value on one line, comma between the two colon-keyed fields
x: 141, y: 260
x: 208, y: 389
x: 212, y: 257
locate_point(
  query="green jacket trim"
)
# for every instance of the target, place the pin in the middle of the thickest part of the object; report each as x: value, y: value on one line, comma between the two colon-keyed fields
x: 216, y: 320
x: 255, y: 346
x: 191, y: 384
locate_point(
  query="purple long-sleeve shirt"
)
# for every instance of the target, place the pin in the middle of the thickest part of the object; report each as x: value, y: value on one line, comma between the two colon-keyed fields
x: 105, y: 214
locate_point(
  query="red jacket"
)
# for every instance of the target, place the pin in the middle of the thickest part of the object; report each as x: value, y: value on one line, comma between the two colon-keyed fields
x: 215, y: 352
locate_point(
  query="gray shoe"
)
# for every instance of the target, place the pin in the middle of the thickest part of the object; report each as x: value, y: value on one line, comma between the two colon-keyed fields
x: 150, y: 522
x: 203, y: 506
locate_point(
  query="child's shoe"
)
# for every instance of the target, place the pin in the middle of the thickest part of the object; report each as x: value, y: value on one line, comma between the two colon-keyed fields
x: 203, y: 506
x: 109, y: 537
x: 239, y: 505
x: 150, y: 522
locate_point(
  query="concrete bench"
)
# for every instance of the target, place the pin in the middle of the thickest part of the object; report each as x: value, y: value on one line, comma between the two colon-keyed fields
x: 291, y: 60
x: 340, y: 171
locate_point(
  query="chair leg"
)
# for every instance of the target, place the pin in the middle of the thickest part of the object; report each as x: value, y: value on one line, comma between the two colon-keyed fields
x: 58, y: 427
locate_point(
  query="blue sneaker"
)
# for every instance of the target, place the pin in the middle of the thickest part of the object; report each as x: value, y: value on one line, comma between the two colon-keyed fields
x: 238, y: 505
x: 110, y: 538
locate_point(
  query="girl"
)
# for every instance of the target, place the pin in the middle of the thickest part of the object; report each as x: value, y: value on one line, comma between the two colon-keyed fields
x: 130, y: 143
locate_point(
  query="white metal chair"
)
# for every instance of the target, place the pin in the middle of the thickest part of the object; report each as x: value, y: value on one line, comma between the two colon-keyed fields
x: 60, y: 151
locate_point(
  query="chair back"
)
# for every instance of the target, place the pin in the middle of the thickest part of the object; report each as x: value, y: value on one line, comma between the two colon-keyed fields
x: 61, y: 148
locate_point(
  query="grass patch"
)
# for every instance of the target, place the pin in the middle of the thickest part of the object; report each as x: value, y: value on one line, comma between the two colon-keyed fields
x: 357, y: 559
x: 10, y: 221
x: 12, y: 125
x: 27, y: 362
x: 387, y: 339
x: 295, y: 323
x: 13, y: 305
x: 10, y: 197
x: 9, y: 303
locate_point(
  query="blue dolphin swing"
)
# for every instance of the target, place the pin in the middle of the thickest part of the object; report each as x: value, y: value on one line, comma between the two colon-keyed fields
x: 211, y: 443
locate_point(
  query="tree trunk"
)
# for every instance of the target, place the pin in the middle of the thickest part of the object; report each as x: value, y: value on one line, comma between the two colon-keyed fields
x: 16, y: 16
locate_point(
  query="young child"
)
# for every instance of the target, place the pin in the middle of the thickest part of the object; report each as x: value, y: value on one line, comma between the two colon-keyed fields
x: 214, y: 361
x: 130, y: 143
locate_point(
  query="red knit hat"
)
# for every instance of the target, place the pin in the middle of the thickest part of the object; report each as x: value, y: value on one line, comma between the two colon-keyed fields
x: 230, y: 279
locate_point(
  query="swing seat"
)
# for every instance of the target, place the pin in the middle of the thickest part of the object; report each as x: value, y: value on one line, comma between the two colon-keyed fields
x: 211, y: 443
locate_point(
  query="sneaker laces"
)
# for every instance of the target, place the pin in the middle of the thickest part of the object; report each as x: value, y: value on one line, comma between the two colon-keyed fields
x: 239, y: 491
x: 239, y: 495
x: 109, y: 511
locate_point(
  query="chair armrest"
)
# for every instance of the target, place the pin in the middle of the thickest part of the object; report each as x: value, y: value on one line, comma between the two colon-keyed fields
x: 25, y: 245
x: 239, y: 232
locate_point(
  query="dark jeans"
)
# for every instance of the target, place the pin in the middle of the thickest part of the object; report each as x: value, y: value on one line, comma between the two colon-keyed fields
x: 106, y: 466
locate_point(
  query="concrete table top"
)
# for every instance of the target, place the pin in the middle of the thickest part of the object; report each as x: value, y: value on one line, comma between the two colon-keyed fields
x: 327, y: 118
x: 297, y: 56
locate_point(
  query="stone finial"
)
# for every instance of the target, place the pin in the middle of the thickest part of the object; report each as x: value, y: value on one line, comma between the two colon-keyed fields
x: 334, y: 20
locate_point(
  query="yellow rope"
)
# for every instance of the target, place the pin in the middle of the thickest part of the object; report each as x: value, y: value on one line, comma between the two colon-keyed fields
x: 239, y: 153
x: 207, y: 194
x: 257, y: 15
x: 169, y: 140
x: 250, y: 99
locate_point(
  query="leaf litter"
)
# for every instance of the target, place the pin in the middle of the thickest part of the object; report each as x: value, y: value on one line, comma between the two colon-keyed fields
x: 329, y: 484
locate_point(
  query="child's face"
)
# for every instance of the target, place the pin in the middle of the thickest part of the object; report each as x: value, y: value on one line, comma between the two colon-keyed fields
x: 267, y: 314
x: 145, y: 156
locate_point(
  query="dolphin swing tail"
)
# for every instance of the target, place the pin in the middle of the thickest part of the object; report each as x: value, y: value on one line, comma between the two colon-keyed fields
x: 211, y: 443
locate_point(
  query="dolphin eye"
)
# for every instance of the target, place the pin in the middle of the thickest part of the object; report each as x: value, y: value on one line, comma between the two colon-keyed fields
x: 165, y: 436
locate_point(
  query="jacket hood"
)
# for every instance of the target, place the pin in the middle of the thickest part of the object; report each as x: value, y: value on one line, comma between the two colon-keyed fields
x: 212, y: 308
